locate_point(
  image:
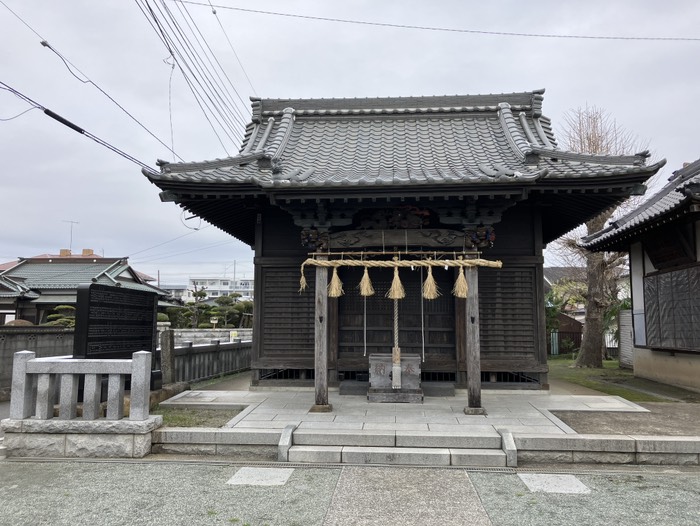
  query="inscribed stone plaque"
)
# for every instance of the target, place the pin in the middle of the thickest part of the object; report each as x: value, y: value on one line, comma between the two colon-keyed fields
x: 380, y: 371
x: 114, y: 322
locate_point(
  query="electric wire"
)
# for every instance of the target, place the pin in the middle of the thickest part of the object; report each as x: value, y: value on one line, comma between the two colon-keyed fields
x: 19, y: 114
x: 184, y: 49
x: 70, y: 67
x: 199, y: 249
x: 233, y: 50
x: 157, y: 28
x: 76, y: 128
x: 196, y: 63
x: 243, y: 102
x: 442, y: 29
x: 164, y: 242
x: 240, y: 118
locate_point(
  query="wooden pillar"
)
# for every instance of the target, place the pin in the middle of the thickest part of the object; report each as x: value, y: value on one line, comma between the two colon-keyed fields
x: 473, y: 343
x: 321, y: 404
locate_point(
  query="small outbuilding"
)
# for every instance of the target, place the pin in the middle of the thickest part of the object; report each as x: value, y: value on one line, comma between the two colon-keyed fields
x: 662, y: 237
x: 420, y: 187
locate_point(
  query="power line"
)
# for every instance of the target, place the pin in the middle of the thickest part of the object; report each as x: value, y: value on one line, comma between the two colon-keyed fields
x: 70, y: 65
x: 18, y: 115
x: 237, y: 114
x: 163, y: 243
x: 174, y: 45
x: 441, y: 29
x: 199, y: 249
x: 232, y: 48
x: 75, y: 127
x: 243, y: 102
x: 178, y: 41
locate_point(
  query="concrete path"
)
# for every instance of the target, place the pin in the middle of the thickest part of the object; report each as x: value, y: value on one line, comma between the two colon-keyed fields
x: 215, y: 493
x: 518, y: 412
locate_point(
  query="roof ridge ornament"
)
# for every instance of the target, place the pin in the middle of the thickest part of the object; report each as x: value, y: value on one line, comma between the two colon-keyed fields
x: 516, y: 141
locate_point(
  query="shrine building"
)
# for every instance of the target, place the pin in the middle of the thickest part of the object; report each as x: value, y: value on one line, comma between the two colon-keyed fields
x: 402, y: 194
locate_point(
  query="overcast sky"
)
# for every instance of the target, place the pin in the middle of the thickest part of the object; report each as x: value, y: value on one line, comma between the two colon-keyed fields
x: 51, y: 175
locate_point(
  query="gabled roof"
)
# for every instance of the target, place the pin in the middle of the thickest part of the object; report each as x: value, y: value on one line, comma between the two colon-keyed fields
x: 10, y: 288
x: 452, y: 144
x: 673, y: 200
x: 554, y: 275
x: 54, y: 274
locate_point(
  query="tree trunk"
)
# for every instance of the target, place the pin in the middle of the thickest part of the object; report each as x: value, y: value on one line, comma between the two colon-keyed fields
x: 591, y: 353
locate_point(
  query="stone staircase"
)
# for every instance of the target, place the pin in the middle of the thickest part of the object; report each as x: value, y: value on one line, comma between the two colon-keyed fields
x: 411, y: 448
x: 325, y: 446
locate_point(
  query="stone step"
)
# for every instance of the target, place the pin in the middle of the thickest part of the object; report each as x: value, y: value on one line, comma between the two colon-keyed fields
x: 384, y: 438
x: 406, y: 456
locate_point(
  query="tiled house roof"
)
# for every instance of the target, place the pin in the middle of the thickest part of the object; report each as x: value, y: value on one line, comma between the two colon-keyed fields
x: 37, y: 275
x: 451, y: 144
x: 681, y: 191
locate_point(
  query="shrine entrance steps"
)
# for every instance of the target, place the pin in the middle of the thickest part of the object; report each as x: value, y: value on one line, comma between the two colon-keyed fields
x: 326, y: 446
x: 411, y: 448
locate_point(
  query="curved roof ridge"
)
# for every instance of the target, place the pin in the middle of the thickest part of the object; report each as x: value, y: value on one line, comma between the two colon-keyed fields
x: 638, y: 159
x: 213, y: 164
x: 282, y: 135
x: 512, y: 131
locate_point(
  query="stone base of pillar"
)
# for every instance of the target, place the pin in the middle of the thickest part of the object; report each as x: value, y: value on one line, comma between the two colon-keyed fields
x: 474, y: 411
x: 326, y: 408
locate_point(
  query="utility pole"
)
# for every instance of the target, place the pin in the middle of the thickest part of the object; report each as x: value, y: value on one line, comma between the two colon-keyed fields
x: 70, y: 246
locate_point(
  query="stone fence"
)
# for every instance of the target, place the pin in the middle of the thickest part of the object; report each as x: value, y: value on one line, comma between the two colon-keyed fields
x: 33, y: 430
x: 192, y: 363
x: 189, y: 364
x: 44, y: 341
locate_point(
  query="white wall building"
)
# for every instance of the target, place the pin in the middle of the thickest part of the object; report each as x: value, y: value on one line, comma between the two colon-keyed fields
x: 220, y: 286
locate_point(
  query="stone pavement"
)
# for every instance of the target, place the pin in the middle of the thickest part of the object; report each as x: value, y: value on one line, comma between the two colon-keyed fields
x: 156, y: 492
x: 515, y: 411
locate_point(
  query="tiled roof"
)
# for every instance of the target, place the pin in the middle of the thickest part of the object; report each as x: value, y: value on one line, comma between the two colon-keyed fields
x: 43, y: 274
x: 675, y: 195
x: 10, y: 288
x: 386, y: 142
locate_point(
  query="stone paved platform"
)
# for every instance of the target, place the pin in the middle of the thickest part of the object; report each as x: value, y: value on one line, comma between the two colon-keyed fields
x: 514, y: 411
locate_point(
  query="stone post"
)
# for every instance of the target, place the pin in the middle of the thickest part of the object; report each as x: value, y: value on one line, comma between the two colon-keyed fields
x: 140, y: 385
x: 21, y: 396
x: 167, y: 359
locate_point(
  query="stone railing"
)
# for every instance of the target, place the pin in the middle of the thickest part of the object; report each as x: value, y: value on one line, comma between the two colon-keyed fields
x: 192, y: 363
x: 38, y: 383
x: 34, y: 385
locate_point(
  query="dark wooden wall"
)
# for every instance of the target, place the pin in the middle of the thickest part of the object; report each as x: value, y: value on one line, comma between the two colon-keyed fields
x: 511, y: 303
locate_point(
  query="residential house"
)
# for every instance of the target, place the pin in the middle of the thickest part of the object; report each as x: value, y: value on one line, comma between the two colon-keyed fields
x: 31, y: 288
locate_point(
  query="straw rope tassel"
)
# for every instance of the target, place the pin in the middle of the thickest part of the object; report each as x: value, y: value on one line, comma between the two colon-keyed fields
x: 461, y: 289
x: 366, y: 288
x: 430, y: 288
x: 302, y: 280
x: 335, y: 287
x: 396, y: 292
